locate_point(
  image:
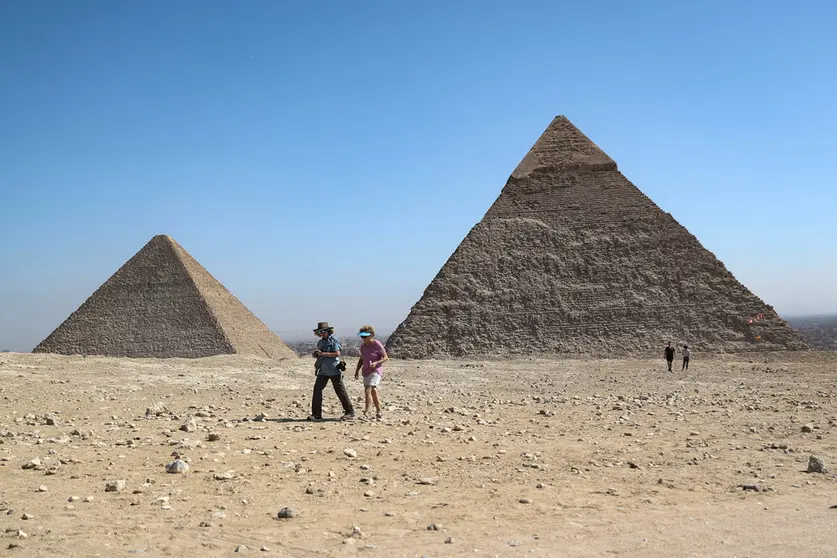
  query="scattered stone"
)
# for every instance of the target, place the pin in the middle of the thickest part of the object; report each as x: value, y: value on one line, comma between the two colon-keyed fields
x: 539, y: 485
x: 42, y: 488
x: 189, y: 426
x: 241, y: 548
x: 449, y: 540
x: 115, y: 486
x: 220, y: 514
x: 264, y: 549
x: 89, y: 499
x: 261, y: 417
x: 751, y: 487
x: 156, y: 410
x: 525, y: 500
x: 51, y: 420
x: 27, y: 516
x: 816, y: 465
x: 228, y: 475
x: 177, y: 467
x: 434, y: 527
x: 808, y: 428
x: 427, y: 481
x: 213, y: 437
x: 349, y: 452
x: 32, y: 464
x: 309, y: 490
x: 287, y: 513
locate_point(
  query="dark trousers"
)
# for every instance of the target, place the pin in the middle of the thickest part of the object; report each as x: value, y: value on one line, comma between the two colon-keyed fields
x: 669, y: 360
x: 685, y: 363
x: 339, y: 389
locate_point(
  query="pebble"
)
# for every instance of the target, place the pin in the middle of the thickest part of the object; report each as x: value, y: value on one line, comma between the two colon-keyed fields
x: 427, y: 481
x: 42, y: 488
x: 115, y: 486
x: 224, y: 476
x: 241, y: 548
x: 27, y: 516
x: 189, y: 426
x: 525, y: 500
x: 32, y: 464
x: 177, y: 467
x: 434, y: 527
x: 449, y: 540
x: 808, y: 428
x: 816, y: 465
x: 156, y: 409
x: 213, y: 437
x: 349, y: 452
x: 287, y: 513
x: 89, y: 499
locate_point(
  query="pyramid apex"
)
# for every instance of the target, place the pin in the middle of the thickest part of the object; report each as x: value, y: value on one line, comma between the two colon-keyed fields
x: 563, y: 146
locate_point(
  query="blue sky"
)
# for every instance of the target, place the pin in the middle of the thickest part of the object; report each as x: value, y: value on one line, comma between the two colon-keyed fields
x: 323, y: 159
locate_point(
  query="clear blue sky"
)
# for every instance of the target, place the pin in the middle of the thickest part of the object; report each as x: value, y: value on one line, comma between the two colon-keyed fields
x: 323, y: 159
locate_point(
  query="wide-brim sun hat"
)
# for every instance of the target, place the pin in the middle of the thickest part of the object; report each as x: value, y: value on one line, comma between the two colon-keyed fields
x: 323, y: 326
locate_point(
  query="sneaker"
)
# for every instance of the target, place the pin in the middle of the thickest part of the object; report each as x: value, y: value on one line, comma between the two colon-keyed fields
x: 313, y: 418
x: 348, y: 416
x: 379, y: 416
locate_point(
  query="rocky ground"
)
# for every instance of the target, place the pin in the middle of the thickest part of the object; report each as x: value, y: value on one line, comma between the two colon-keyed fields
x: 520, y: 458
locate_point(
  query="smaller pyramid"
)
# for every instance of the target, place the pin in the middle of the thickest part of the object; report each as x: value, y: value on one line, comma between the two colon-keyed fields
x: 161, y: 304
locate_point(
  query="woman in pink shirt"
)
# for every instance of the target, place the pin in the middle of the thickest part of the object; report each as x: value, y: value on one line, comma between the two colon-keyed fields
x: 372, y: 356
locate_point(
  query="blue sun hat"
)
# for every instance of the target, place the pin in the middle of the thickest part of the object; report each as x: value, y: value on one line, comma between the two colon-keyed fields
x: 364, y: 334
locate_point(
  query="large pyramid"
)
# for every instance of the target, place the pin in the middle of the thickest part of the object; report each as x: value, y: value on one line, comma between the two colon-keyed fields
x: 163, y: 303
x: 573, y: 258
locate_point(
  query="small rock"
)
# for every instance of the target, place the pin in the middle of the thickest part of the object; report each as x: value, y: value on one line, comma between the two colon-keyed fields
x: 220, y: 514
x: 309, y: 490
x: 751, y: 487
x: 428, y: 481
x: 449, y: 540
x: 177, y: 467
x: 21, y: 534
x: 525, y: 500
x: 89, y: 499
x: 156, y: 409
x: 816, y: 465
x: 189, y: 426
x: 213, y: 437
x: 241, y: 548
x: 287, y: 513
x: 42, y: 488
x: 115, y: 486
x: 261, y: 417
x: 224, y: 476
x: 349, y: 452
x: 434, y: 527
x: 539, y: 485
x: 264, y: 549
x: 32, y: 464
x: 27, y: 516
x: 51, y: 420
x: 808, y: 428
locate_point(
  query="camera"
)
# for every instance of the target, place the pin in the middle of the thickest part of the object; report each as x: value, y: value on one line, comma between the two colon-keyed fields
x: 341, y: 366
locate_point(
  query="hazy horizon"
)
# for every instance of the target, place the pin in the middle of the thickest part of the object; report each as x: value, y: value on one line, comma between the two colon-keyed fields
x: 324, y: 159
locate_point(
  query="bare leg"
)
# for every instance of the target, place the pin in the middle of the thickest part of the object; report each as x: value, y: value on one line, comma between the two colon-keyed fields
x: 367, y: 399
x: 376, y: 400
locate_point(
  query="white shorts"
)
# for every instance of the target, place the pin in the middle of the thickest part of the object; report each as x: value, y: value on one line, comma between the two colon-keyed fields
x: 372, y: 380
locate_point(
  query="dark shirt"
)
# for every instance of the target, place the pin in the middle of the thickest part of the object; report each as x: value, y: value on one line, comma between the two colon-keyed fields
x: 669, y: 353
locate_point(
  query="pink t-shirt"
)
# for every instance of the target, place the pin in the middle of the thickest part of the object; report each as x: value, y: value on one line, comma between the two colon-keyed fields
x: 372, y: 352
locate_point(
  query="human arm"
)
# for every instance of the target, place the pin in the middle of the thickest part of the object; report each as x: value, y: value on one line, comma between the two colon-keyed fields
x: 384, y: 358
x: 358, y: 367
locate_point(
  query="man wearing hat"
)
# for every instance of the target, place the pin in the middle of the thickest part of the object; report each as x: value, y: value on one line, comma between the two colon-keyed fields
x: 328, y: 367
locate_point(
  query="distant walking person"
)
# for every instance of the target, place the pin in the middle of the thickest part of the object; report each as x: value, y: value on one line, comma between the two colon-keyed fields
x: 687, y: 354
x: 328, y: 366
x: 669, y: 352
x: 372, y: 357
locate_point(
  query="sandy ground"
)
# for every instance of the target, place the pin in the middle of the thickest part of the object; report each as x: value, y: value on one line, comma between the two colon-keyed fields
x: 523, y: 458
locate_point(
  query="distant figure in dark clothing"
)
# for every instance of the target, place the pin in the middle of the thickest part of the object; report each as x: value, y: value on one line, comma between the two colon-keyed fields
x: 686, y: 356
x: 669, y: 355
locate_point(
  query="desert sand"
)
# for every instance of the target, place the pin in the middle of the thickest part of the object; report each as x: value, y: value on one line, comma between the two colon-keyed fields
x: 494, y: 458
